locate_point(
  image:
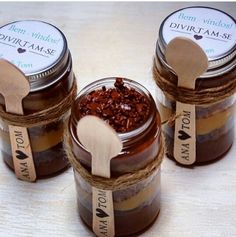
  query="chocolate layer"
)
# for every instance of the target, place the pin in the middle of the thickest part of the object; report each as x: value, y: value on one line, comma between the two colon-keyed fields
x: 209, y: 150
x: 214, y: 129
x: 128, y: 198
x: 128, y: 223
x: 132, y: 202
x: 47, y: 163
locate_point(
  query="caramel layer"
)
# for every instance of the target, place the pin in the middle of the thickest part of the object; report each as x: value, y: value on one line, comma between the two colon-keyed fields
x: 203, y: 125
x: 144, y: 196
x: 40, y: 143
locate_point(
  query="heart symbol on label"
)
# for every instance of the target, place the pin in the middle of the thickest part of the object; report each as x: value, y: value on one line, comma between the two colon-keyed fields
x: 20, y: 50
x: 183, y: 135
x: 100, y: 213
x: 197, y: 37
x: 21, y: 155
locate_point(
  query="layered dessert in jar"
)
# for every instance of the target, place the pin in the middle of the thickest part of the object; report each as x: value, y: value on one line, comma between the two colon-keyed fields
x: 129, y: 108
x: 207, y: 27
x: 40, y: 51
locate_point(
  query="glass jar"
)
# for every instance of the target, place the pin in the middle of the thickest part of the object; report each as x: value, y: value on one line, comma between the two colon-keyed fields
x: 136, y: 206
x: 214, y: 31
x: 40, y: 51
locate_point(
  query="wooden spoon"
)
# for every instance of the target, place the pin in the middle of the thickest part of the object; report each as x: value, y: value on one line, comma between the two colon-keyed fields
x: 14, y: 86
x: 189, y: 62
x: 103, y: 143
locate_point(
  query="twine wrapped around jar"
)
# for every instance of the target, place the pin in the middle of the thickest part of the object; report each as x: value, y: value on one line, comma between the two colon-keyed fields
x: 119, y: 182
x: 198, y: 96
x: 42, y: 117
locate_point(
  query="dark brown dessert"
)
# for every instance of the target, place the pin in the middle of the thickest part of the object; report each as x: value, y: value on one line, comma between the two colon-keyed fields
x: 140, y: 145
x: 214, y: 120
x: 131, y: 111
x: 123, y: 108
x: 46, y: 140
x: 51, y: 79
x: 135, y: 208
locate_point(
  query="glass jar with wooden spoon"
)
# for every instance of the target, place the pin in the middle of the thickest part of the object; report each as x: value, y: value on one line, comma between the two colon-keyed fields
x: 135, y: 172
x: 40, y: 51
x: 214, y: 93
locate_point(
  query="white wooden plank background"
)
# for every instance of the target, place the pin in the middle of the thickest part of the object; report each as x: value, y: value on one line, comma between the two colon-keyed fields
x: 108, y: 39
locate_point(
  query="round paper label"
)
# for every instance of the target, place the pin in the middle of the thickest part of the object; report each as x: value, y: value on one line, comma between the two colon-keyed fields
x: 213, y: 30
x: 33, y: 46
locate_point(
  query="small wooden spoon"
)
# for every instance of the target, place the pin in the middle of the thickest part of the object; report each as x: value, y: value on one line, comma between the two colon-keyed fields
x: 189, y: 62
x: 102, y: 142
x: 14, y: 86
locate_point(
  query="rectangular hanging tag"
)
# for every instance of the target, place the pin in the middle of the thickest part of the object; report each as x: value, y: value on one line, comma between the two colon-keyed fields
x: 185, y: 134
x: 22, y: 154
x: 103, y: 213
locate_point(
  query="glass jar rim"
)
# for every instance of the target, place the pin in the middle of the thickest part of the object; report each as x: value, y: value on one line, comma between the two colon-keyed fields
x: 134, y: 134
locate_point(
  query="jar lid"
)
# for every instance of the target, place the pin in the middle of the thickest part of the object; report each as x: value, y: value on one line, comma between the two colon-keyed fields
x: 37, y: 48
x: 212, y: 29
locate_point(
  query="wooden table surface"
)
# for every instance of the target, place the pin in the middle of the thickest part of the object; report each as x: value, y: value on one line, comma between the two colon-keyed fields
x: 117, y: 39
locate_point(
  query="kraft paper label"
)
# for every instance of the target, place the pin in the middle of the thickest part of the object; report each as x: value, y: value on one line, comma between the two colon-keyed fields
x: 22, y: 154
x: 185, y: 134
x: 103, y: 213
x: 32, y: 46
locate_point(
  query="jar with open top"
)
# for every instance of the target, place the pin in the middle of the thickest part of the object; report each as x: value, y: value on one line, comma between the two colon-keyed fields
x: 130, y: 109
